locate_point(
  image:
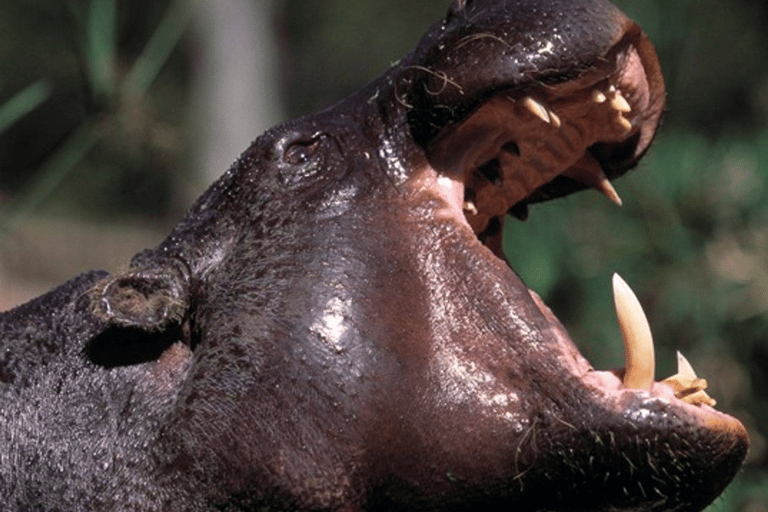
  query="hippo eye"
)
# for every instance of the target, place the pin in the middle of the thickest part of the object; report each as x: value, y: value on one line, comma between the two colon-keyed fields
x: 302, y: 151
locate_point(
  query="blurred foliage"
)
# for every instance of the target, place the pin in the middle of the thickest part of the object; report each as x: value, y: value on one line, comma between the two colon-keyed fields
x: 98, y: 140
x: 93, y: 97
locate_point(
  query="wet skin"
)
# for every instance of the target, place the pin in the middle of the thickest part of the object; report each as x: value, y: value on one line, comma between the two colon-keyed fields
x: 333, y: 325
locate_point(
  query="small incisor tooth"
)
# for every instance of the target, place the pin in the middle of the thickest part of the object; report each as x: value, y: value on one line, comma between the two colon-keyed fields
x: 555, y: 119
x: 639, y: 355
x: 598, y: 97
x: 699, y: 397
x: 684, y: 368
x: 620, y: 103
x: 624, y: 123
x: 687, y: 386
x: 470, y: 207
x: 536, y: 109
x: 588, y: 171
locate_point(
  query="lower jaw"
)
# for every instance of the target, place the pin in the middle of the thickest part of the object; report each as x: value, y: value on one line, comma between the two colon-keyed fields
x: 609, y: 385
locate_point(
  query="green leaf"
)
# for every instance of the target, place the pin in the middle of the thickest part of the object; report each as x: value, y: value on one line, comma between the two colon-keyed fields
x: 158, y: 49
x: 23, y: 103
x: 102, y: 47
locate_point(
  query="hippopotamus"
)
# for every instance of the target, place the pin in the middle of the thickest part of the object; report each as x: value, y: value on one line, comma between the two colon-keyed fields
x: 333, y: 325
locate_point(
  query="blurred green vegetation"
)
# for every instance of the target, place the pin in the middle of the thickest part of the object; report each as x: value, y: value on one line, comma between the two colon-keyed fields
x: 83, y: 136
x: 93, y: 123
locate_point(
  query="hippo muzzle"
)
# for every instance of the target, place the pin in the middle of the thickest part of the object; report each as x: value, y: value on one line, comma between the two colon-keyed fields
x: 334, y: 326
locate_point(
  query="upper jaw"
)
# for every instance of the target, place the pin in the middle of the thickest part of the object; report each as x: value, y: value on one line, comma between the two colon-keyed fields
x: 526, y: 145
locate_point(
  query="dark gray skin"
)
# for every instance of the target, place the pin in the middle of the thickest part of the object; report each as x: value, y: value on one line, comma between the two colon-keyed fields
x: 327, y: 329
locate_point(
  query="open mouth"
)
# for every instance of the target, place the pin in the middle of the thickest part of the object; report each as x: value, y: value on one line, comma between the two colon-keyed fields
x: 526, y: 146
x: 522, y: 147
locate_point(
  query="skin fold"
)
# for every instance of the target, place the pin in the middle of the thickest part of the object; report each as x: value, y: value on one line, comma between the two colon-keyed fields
x: 333, y: 325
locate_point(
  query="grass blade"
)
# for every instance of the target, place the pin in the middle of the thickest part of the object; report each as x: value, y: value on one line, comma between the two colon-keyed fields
x: 23, y: 103
x: 53, y: 172
x: 158, y: 49
x: 102, y: 47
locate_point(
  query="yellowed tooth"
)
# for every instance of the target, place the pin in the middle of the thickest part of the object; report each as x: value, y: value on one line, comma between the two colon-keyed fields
x: 605, y: 188
x: 699, y: 397
x: 470, y: 207
x: 555, y: 119
x: 588, y: 171
x: 684, y: 368
x: 620, y: 103
x: 685, y: 378
x: 598, y: 97
x: 639, y: 355
x: 536, y: 109
x: 624, y: 123
x: 687, y: 386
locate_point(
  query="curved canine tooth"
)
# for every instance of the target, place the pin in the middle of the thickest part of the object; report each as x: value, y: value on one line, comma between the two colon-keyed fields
x: 588, y: 171
x: 470, y: 207
x: 536, y: 109
x: 638, y: 343
x: 608, y: 191
x: 620, y: 103
x: 598, y: 97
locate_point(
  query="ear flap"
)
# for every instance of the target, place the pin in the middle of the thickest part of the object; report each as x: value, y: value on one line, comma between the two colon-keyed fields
x: 144, y: 312
x: 147, y: 300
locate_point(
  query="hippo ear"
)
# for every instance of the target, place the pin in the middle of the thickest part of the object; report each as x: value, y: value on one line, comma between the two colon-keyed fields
x: 143, y: 312
x: 143, y: 299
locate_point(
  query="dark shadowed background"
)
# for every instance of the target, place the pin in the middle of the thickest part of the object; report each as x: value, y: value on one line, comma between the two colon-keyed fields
x: 116, y: 114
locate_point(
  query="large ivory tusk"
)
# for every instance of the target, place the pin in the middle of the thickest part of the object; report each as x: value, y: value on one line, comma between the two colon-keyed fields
x: 638, y: 343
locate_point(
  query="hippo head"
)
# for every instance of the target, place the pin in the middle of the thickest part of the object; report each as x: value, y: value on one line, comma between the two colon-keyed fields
x: 344, y: 330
